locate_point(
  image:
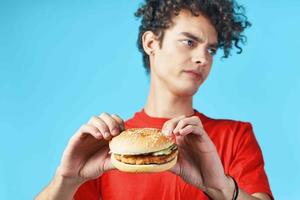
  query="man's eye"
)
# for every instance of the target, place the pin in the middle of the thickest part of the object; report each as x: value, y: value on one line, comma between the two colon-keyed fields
x: 189, y: 43
x: 212, y: 51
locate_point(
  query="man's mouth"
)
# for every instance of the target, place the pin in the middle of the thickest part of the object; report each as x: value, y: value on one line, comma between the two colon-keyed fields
x: 194, y: 74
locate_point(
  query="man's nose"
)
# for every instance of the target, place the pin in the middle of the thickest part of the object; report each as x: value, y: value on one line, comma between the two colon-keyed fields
x: 200, y: 58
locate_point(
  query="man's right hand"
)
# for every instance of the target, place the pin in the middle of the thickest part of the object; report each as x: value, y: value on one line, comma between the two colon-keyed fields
x: 87, y: 153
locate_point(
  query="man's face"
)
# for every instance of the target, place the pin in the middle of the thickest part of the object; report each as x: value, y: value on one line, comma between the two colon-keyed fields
x: 184, y: 60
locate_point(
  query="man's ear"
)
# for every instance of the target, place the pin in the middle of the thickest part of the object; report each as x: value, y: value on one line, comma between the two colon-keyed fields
x: 150, y: 43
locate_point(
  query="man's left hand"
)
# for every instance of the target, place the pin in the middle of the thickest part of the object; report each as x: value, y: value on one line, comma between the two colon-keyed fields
x: 198, y: 161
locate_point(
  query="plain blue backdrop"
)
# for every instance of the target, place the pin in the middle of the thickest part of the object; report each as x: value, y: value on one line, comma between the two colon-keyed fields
x: 63, y: 61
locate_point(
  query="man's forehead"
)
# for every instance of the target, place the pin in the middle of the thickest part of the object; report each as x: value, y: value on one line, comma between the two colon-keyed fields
x: 197, y: 25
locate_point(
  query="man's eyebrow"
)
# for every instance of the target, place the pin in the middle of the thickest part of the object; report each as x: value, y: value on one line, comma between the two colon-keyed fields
x: 192, y: 36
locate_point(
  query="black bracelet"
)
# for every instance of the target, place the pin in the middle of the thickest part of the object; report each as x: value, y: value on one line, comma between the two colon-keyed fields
x: 235, y: 192
x: 236, y: 189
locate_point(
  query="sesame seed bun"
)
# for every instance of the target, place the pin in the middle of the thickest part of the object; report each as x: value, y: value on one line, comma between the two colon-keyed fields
x: 139, y: 141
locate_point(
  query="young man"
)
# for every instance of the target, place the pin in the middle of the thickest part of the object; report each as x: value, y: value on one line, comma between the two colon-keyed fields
x: 218, y: 159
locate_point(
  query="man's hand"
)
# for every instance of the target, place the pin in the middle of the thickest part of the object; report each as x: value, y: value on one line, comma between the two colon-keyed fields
x: 198, y: 162
x: 85, y: 157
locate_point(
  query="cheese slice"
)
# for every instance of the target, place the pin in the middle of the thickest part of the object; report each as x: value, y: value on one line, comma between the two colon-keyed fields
x: 165, y: 151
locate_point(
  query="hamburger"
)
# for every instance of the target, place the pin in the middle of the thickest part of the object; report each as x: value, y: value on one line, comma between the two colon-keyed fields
x: 143, y: 150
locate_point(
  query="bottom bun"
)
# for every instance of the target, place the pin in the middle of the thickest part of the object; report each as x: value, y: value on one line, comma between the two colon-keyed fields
x: 142, y: 168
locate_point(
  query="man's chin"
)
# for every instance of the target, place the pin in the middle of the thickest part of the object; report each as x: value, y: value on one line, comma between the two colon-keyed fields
x: 186, y: 91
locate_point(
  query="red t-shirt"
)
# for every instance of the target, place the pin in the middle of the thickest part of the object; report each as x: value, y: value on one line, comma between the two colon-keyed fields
x: 237, y: 147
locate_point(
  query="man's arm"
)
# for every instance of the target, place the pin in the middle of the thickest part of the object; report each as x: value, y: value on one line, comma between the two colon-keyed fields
x: 262, y: 196
x: 60, y: 188
x: 227, y: 193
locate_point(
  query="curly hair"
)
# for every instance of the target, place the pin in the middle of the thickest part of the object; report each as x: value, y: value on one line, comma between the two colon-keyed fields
x: 226, y: 16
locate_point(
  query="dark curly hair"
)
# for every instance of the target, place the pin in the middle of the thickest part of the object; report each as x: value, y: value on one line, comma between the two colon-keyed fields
x: 226, y: 16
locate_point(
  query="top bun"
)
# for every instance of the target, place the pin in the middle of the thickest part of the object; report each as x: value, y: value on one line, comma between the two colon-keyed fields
x: 139, y: 141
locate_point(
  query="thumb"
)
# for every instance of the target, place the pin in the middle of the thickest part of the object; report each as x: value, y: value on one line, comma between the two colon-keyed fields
x: 176, y: 169
x: 108, y: 165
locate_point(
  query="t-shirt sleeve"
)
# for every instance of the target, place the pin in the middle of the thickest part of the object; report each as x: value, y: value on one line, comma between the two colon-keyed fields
x: 88, y: 190
x: 247, y: 166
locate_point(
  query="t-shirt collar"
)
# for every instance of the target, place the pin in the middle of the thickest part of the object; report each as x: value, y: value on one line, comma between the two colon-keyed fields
x: 158, y: 121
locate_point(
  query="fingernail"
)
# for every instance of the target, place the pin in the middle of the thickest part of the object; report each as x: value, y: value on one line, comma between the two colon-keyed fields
x: 115, y: 131
x: 175, y: 130
x: 181, y: 131
x: 167, y: 132
x: 106, y: 134
x: 98, y: 134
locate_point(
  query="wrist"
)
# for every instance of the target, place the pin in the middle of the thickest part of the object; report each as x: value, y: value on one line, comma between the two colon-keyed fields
x: 222, y: 193
x: 68, y: 180
x: 62, y: 187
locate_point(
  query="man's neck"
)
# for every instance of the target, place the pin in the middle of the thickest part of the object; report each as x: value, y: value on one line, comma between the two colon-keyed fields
x: 162, y: 103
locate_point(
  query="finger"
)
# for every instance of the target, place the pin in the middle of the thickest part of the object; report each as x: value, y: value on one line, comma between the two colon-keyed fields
x: 186, y: 130
x: 108, y: 165
x: 186, y: 121
x: 169, y: 125
x: 191, y: 129
x: 112, y: 124
x: 96, y: 163
x: 175, y: 169
x: 104, y: 160
x: 86, y: 130
x: 101, y: 125
x: 119, y: 120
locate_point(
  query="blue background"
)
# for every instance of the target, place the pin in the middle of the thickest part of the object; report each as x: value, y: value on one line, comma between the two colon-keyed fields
x: 63, y: 61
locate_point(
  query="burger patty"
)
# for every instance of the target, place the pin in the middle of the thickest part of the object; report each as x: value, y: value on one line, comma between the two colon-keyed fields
x: 146, y: 159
